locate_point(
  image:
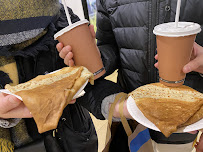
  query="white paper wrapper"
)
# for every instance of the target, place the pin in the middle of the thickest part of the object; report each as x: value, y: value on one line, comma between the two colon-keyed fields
x: 140, y: 118
x: 8, y: 92
x: 80, y: 92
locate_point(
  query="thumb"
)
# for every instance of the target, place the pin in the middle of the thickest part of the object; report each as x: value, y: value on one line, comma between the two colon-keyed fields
x: 191, y: 66
x: 10, y: 102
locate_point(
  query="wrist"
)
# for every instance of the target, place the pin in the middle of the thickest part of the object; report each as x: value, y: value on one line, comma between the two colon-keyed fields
x: 116, y: 113
x: 126, y: 114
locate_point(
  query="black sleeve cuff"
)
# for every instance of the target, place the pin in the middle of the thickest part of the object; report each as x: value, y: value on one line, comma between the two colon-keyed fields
x: 95, y: 94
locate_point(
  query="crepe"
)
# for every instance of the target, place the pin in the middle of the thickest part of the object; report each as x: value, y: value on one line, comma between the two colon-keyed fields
x: 169, y: 107
x: 46, y: 96
x: 196, y: 117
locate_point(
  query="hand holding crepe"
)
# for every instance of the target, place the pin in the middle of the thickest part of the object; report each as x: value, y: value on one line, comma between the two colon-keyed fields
x: 169, y: 108
x: 46, y: 96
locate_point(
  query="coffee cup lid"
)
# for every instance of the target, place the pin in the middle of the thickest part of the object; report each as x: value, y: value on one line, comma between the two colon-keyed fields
x: 70, y: 27
x: 183, y: 29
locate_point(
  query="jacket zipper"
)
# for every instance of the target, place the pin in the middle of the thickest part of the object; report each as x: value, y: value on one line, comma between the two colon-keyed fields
x: 152, y: 40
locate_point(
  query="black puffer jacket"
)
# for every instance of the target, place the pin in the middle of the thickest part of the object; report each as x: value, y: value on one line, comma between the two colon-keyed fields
x: 126, y: 40
x: 127, y: 43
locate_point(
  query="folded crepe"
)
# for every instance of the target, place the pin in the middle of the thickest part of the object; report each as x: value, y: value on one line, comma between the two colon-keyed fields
x: 197, y: 116
x: 169, y: 108
x: 46, y: 96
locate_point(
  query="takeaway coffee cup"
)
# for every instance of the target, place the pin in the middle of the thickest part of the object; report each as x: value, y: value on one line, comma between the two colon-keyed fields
x: 174, y: 48
x: 85, y: 51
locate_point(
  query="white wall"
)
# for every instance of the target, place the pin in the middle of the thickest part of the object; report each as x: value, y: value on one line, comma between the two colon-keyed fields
x: 76, y: 6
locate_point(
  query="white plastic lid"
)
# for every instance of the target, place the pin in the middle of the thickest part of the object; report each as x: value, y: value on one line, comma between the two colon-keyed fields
x: 70, y: 27
x: 183, y: 29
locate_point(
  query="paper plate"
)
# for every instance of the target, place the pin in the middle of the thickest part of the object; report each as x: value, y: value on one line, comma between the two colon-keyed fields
x: 140, y: 118
x: 80, y: 92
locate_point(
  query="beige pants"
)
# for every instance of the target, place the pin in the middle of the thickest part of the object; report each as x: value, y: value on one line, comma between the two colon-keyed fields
x: 172, y: 147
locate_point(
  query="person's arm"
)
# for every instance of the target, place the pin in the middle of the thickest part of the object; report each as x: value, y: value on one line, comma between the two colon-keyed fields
x: 95, y: 95
x: 106, y: 105
x: 106, y: 40
x: 101, y: 95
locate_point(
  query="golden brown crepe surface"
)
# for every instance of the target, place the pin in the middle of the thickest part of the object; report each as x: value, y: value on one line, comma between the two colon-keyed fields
x: 196, y: 117
x: 166, y: 107
x: 46, y: 102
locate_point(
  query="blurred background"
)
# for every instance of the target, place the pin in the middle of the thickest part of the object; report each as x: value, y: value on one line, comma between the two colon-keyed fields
x: 84, y: 9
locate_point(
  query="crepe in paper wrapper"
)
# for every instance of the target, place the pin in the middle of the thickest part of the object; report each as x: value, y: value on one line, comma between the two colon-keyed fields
x: 46, y: 96
x: 169, y: 108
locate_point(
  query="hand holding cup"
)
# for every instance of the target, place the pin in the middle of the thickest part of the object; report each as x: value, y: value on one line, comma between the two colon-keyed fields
x: 65, y: 52
x: 174, y: 47
x: 85, y: 51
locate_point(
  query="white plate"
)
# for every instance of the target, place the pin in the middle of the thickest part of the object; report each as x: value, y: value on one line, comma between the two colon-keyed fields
x: 140, y: 118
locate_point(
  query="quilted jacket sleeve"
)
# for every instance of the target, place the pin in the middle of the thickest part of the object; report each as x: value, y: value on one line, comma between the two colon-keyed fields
x: 105, y: 40
x: 95, y: 94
